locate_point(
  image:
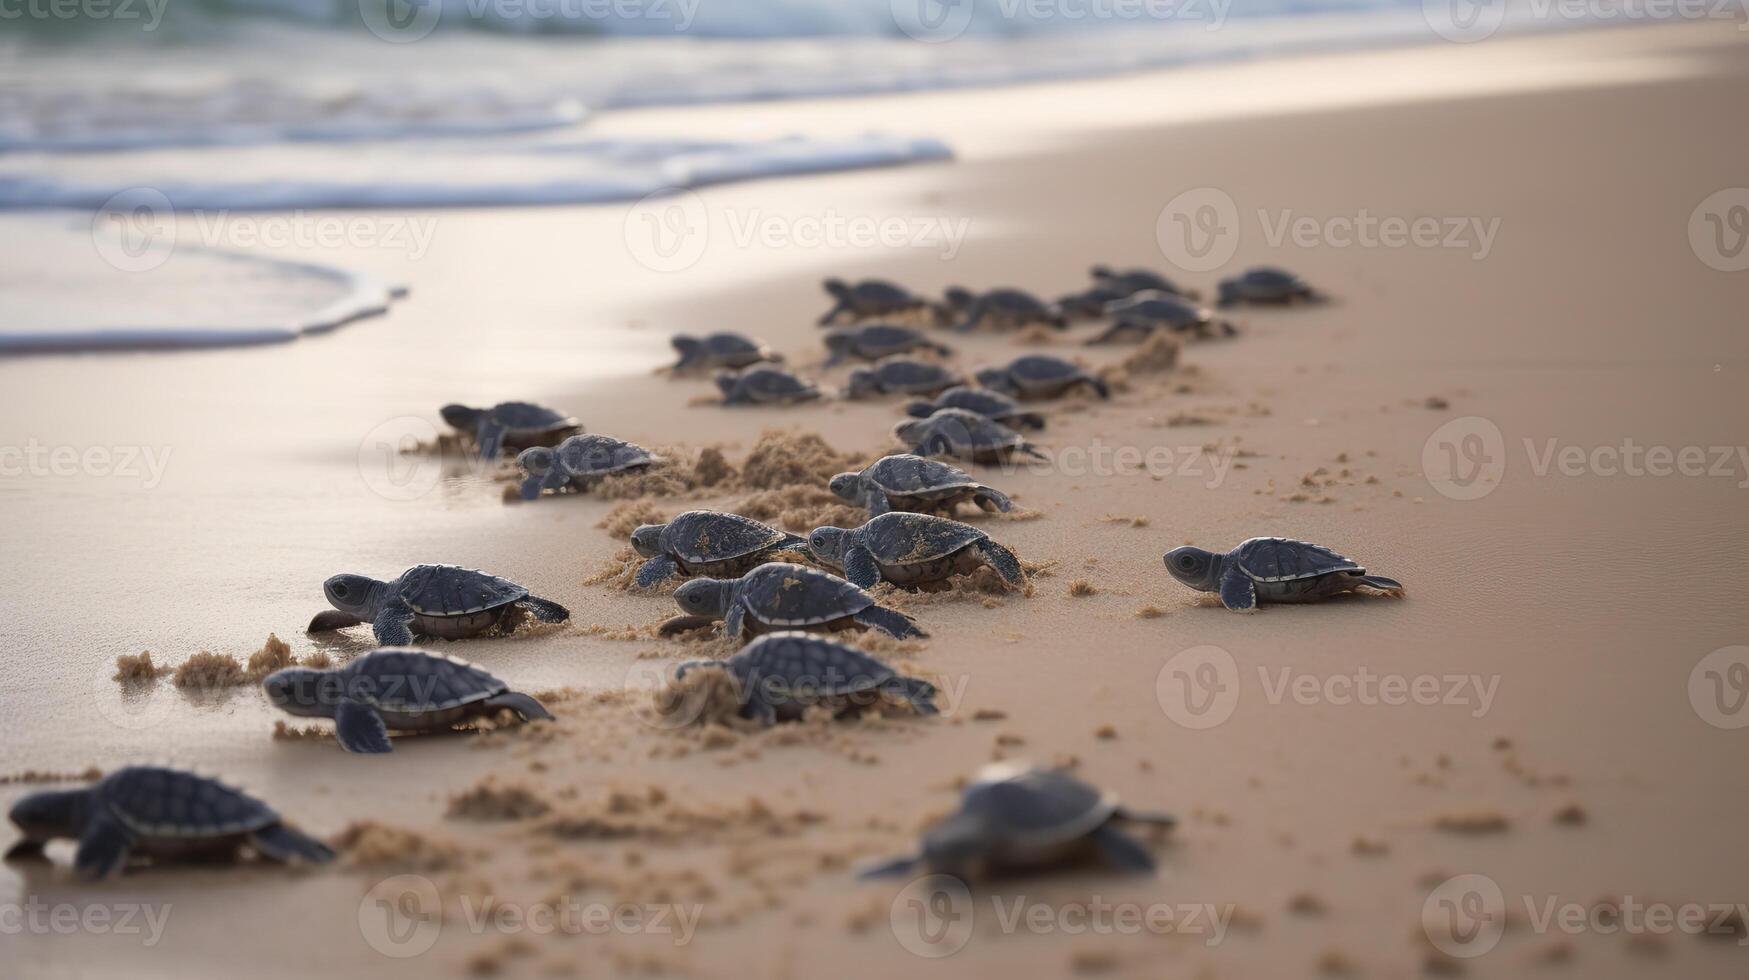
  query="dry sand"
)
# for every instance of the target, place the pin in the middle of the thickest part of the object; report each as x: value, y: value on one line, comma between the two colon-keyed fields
x: 1582, y: 602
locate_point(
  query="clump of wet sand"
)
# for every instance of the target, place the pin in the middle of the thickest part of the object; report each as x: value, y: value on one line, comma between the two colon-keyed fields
x: 1158, y: 353
x: 782, y: 459
x: 651, y: 814
x: 207, y: 670
x: 800, y: 508
x: 138, y: 668
x: 283, y: 732
x: 627, y: 516
x: 373, y: 845
x: 490, y: 800
x: 1081, y: 588
x: 38, y: 776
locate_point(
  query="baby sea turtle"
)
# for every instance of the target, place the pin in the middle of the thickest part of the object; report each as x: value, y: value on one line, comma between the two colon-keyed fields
x: 444, y: 601
x: 963, y: 435
x: 402, y: 690
x: 517, y: 425
x: 155, y: 812
x: 1273, y: 570
x: 765, y: 386
x: 719, y: 350
x: 780, y: 595
x: 912, y: 483
x: 781, y: 674
x: 703, y: 542
x: 1265, y: 286
x: 903, y: 376
x: 1139, y: 316
x: 1013, y: 817
x: 1089, y: 303
x: 878, y: 340
x: 1001, y: 308
x: 992, y: 405
x: 911, y: 549
x: 869, y: 298
x: 1037, y: 376
x: 1128, y: 282
x: 579, y: 462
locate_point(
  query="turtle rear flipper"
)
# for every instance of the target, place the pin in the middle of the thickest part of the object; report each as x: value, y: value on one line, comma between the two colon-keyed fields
x: 359, y: 728
x: 1003, y: 561
x: 895, y: 624
x: 103, y: 850
x: 527, y: 708
x: 329, y: 620
x: 1388, y: 586
x: 992, y: 500
x: 1099, y: 387
x: 920, y: 693
x: 1238, y: 592
x: 655, y: 571
x: 283, y: 844
x: 1122, y: 851
x: 545, y: 610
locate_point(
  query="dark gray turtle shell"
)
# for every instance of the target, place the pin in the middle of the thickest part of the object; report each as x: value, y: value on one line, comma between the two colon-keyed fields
x: 907, y: 376
x: 907, y: 475
x: 415, y: 682
x: 786, y: 594
x: 441, y: 591
x: 597, y: 455
x: 1264, y: 285
x: 828, y: 668
x: 883, y: 339
x: 770, y: 382
x: 1285, y: 560
x: 529, y: 417
x: 965, y: 431
x: 983, y: 401
x: 1041, y: 368
x: 1035, y: 808
x: 1174, y: 314
x: 899, y: 538
x: 1131, y: 281
x: 726, y: 345
x: 157, y: 802
x: 703, y: 537
x: 878, y: 295
x: 1012, y: 301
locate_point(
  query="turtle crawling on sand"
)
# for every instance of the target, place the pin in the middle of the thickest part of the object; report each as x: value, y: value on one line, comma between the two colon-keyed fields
x: 992, y: 405
x: 1039, y: 376
x: 901, y: 376
x: 1128, y: 282
x: 1003, y: 309
x: 719, y: 350
x: 765, y: 386
x: 1266, y: 286
x: 444, y: 601
x: 151, y: 811
x: 1273, y: 570
x: 1016, y: 818
x: 903, y: 482
x: 703, y: 542
x: 963, y: 435
x: 515, y: 425
x: 579, y: 462
x: 878, y: 340
x: 402, y: 690
x: 911, y: 549
x: 1140, y: 316
x: 869, y: 298
x: 781, y: 674
x: 779, y: 596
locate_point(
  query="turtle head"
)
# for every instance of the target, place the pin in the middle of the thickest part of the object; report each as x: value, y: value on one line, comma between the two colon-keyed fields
x: 862, y: 384
x: 684, y: 343
x: 956, y: 846
x: 1102, y: 272
x: 704, y: 597
x: 992, y: 377
x: 537, y: 462
x: 837, y: 287
x: 826, y: 544
x: 355, y: 595
x: 922, y: 408
x: 847, y: 486
x: 302, y: 691
x: 691, y: 665
x: 42, y: 817
x: 958, y: 297
x: 909, y: 431
x: 461, y: 417
x: 839, y: 344
x: 1195, y: 567
x: 726, y: 383
x: 647, y: 540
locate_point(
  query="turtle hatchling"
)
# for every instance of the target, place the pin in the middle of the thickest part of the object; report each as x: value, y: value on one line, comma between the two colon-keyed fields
x: 1273, y: 570
x: 901, y: 376
x: 1039, y: 376
x: 579, y: 462
x: 963, y: 435
x: 779, y: 596
x: 1266, y: 286
x: 399, y: 690
x: 765, y: 386
x: 444, y: 601
x: 903, y: 482
x: 1139, y: 316
x: 719, y: 350
x: 1014, y: 818
x: 911, y: 549
x: 703, y: 542
x: 992, y: 405
x: 1090, y: 303
x: 869, y: 298
x: 155, y: 812
x: 1128, y: 282
x: 1002, y: 308
x: 516, y: 425
x: 878, y: 340
x: 781, y: 674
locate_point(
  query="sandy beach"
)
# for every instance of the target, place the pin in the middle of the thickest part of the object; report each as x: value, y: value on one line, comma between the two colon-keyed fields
x: 1475, y: 413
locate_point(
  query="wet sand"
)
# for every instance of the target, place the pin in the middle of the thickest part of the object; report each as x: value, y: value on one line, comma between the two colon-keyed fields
x: 1577, y: 606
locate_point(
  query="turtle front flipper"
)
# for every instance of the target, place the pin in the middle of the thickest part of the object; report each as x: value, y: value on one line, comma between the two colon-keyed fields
x: 1110, y: 335
x: 861, y: 569
x: 1003, y: 561
x: 878, y: 503
x: 1122, y: 851
x: 1238, y: 592
x: 734, y: 620
x: 393, y: 626
x: 654, y: 571
x: 1099, y: 387
x: 526, y: 708
x: 1389, y: 586
x: 989, y: 500
x: 283, y: 844
x: 1029, y: 420
x: 330, y: 620
x: 104, y: 848
x: 683, y: 624
x: 919, y: 693
x: 359, y: 728
x: 545, y: 610
x: 893, y: 623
